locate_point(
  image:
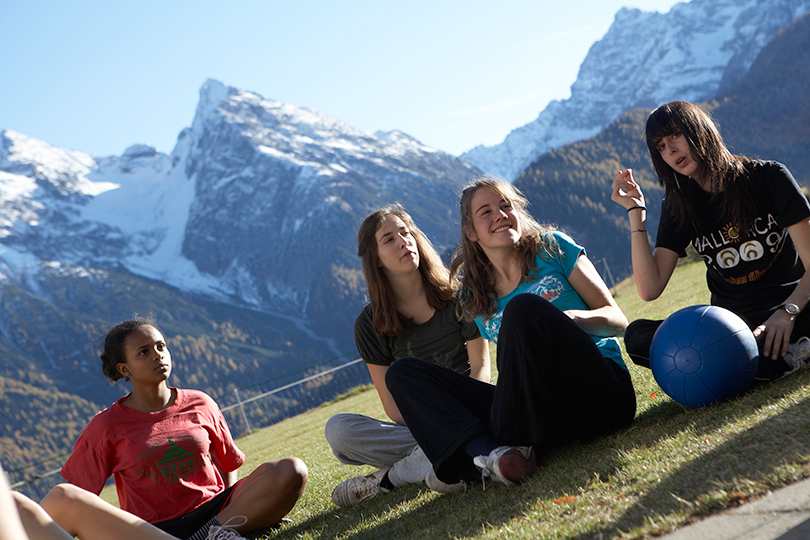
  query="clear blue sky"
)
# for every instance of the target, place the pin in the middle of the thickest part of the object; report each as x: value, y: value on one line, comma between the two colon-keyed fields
x: 98, y: 76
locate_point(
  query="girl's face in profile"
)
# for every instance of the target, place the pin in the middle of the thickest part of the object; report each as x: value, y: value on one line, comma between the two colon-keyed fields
x: 495, y: 223
x: 676, y: 152
x: 396, y: 246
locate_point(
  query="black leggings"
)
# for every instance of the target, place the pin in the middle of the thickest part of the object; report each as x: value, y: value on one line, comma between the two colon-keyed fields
x: 554, y: 386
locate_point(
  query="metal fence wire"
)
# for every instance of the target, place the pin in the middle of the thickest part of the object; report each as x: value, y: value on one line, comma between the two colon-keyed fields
x: 246, y: 409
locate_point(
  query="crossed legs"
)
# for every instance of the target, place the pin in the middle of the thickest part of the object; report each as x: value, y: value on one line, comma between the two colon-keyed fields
x: 267, y: 494
x: 69, y: 511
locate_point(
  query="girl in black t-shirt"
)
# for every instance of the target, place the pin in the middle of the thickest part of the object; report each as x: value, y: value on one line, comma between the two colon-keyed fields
x: 748, y: 220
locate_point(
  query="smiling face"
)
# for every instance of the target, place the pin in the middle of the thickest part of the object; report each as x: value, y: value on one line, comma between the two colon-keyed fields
x: 495, y: 223
x: 396, y: 247
x: 676, y: 152
x: 147, y: 359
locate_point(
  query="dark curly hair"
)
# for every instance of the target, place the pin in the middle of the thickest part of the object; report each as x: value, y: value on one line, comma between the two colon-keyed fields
x: 113, y: 353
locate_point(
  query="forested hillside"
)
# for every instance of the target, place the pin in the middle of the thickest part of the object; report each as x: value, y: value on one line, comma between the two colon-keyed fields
x: 765, y: 115
x: 570, y: 187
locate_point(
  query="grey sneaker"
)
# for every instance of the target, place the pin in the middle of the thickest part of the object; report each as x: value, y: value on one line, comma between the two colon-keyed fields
x: 432, y: 481
x: 798, y: 355
x: 359, y: 488
x: 508, y: 465
x: 225, y: 532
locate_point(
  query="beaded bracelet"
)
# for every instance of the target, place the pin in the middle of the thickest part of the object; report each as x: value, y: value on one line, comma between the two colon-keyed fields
x: 639, y: 230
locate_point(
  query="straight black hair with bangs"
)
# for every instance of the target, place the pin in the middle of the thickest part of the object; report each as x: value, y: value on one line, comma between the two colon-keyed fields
x: 718, y: 168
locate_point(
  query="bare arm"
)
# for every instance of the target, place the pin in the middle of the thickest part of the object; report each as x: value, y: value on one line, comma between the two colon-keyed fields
x: 12, y: 528
x: 605, y: 317
x: 777, y: 329
x: 229, y: 478
x: 478, y: 352
x: 378, y: 377
x: 651, y: 269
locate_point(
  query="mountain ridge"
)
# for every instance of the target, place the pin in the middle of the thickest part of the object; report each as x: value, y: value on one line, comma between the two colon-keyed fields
x: 692, y: 52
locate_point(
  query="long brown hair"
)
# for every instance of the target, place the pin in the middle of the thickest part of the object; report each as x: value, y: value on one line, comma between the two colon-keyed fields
x: 386, y: 319
x: 470, y: 261
x: 717, y: 166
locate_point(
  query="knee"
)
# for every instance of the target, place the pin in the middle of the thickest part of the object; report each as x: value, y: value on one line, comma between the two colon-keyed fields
x: 62, y: 500
x: 62, y: 493
x: 400, y: 372
x: 526, y: 306
x: 638, y: 337
x: 288, y: 474
x: 295, y: 474
x: 336, y: 433
x: 341, y: 432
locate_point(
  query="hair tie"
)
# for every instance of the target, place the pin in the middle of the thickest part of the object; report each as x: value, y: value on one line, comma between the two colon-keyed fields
x: 634, y: 207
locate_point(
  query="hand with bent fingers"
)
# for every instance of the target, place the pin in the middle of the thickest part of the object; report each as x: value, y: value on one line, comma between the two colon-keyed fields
x: 625, y: 190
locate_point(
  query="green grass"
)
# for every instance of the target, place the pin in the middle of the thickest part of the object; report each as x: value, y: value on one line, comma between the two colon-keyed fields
x: 672, y: 466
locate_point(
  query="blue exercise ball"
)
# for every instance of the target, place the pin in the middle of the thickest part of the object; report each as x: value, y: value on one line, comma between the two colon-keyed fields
x: 702, y: 355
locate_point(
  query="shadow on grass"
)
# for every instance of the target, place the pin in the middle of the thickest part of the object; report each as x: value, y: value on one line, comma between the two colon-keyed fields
x: 445, y: 516
x: 754, y: 455
x: 750, y: 459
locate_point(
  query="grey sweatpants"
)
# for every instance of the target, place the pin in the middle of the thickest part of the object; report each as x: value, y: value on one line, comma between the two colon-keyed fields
x: 359, y: 440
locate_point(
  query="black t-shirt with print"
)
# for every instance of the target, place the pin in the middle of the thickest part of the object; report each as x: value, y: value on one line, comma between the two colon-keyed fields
x: 752, y: 275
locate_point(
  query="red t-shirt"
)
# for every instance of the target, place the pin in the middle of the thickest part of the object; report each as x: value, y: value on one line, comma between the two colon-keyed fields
x: 164, y: 463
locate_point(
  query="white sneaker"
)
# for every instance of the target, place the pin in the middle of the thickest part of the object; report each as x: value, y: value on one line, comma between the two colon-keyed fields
x: 798, y: 355
x: 508, y: 465
x: 359, y: 488
x: 432, y: 481
x: 225, y: 532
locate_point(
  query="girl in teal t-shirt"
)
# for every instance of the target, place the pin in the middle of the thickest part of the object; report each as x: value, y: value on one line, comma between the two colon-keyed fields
x: 560, y: 372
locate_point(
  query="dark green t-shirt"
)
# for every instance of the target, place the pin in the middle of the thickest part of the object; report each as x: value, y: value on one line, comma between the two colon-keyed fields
x: 441, y: 340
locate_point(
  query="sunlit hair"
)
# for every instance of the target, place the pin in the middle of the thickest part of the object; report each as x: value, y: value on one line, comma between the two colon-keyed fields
x: 471, y: 263
x: 717, y: 166
x: 386, y: 319
x: 113, y: 353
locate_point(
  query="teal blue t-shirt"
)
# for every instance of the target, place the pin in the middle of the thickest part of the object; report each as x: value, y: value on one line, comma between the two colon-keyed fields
x: 552, y: 284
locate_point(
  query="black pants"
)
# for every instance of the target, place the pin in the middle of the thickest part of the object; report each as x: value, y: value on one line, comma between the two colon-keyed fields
x: 639, y: 335
x: 554, y: 386
x: 185, y: 526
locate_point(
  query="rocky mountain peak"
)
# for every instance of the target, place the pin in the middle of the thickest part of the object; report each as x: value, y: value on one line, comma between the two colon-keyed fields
x: 645, y: 59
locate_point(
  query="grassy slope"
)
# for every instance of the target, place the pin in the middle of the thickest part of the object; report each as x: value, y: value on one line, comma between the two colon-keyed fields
x: 672, y: 466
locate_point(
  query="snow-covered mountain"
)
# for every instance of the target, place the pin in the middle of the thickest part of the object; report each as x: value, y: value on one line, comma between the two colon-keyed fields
x: 645, y: 59
x: 258, y: 202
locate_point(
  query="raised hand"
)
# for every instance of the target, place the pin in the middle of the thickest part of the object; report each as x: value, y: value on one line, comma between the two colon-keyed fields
x: 625, y: 190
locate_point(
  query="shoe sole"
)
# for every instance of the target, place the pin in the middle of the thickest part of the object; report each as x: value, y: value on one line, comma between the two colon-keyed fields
x: 515, y: 467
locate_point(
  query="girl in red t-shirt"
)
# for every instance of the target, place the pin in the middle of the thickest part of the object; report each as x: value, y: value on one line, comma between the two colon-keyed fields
x: 171, y: 452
